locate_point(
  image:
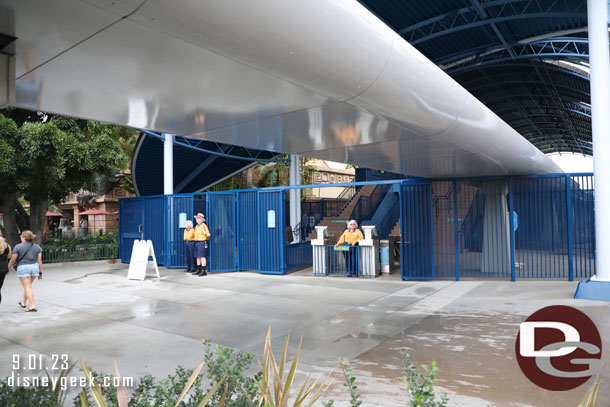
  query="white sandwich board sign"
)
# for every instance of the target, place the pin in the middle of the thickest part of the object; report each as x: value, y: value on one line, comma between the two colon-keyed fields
x: 139, y: 263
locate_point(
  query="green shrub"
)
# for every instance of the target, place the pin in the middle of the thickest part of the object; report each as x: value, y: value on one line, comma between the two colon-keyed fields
x: 27, y: 396
x: 420, y: 386
x: 150, y: 393
x: 242, y: 390
x: 350, y: 384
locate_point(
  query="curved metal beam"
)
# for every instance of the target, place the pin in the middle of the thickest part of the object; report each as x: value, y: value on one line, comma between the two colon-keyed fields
x: 586, y: 117
x: 564, y: 99
x: 474, y: 89
x: 576, y: 49
x: 531, y: 65
x: 177, y: 141
x: 435, y: 30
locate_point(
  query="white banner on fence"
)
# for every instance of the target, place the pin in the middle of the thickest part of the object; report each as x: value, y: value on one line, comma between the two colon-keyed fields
x: 142, y: 249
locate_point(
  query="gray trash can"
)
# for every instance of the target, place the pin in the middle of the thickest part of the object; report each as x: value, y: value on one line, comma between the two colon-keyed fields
x: 384, y: 256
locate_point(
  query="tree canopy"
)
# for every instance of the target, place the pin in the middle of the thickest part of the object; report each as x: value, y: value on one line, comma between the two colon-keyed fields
x: 44, y: 157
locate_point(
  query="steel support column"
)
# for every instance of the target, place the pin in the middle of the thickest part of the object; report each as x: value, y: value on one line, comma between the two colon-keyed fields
x: 597, y: 11
x: 168, y: 164
x: 295, y: 195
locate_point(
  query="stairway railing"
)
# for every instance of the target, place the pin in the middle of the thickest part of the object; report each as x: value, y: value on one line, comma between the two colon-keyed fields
x: 366, y: 205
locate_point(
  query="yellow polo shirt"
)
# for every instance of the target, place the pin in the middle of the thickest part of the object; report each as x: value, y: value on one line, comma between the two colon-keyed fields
x: 201, y: 233
x: 189, y: 234
x: 351, y: 237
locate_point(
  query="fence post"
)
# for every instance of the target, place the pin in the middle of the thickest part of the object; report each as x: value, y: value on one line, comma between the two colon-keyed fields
x: 569, y: 209
x: 511, y: 223
x: 236, y: 234
x: 369, y: 252
x: 456, y: 232
x: 258, y: 229
x: 319, y: 251
x: 168, y: 231
x: 431, y: 220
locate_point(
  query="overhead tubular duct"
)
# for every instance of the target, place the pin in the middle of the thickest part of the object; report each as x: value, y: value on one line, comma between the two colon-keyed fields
x: 373, y: 69
x: 296, y: 77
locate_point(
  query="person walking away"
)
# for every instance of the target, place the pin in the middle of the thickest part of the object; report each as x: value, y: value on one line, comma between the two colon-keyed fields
x: 27, y: 258
x: 189, y: 246
x: 5, y: 254
x: 351, y: 237
x: 202, y: 237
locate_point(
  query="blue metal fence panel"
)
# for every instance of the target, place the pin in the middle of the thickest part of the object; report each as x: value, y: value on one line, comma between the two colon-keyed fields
x: 483, y: 228
x: 541, y: 230
x: 417, y: 238
x: 272, y: 232
x: 200, y: 204
x: 154, y: 225
x: 248, y: 230
x: 511, y: 227
x: 131, y: 219
x: 299, y: 255
x: 443, y: 211
x: 470, y: 213
x: 175, y: 258
x: 341, y: 261
x: 583, y: 225
x: 221, y: 222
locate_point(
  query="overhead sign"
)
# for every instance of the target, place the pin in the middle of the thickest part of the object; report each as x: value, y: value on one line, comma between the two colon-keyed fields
x: 142, y: 250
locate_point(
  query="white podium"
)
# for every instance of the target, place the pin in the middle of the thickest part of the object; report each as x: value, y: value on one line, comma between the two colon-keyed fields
x: 369, y: 253
x: 319, y: 251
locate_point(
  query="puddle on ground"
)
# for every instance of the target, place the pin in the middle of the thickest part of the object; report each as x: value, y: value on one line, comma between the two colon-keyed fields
x: 424, y: 290
x: 475, y: 359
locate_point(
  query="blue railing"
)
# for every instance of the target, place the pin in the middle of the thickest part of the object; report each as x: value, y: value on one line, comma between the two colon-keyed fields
x: 340, y: 261
x: 384, y: 228
x: 298, y: 255
x: 366, y: 206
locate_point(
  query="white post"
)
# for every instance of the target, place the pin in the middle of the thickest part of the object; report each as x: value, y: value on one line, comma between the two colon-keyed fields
x: 319, y: 251
x: 295, y: 194
x: 599, y: 63
x: 369, y: 252
x: 168, y: 164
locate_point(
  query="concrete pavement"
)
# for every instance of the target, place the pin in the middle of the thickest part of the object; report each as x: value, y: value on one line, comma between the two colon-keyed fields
x: 91, y: 310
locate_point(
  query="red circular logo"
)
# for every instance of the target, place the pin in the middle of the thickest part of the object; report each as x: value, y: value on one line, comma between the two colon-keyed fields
x: 559, y: 348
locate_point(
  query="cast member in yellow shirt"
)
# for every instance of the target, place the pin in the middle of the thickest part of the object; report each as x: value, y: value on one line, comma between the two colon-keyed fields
x: 351, y: 237
x: 202, y: 236
x: 189, y: 246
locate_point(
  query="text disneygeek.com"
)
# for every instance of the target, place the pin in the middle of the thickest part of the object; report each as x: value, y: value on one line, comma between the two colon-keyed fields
x: 37, y: 370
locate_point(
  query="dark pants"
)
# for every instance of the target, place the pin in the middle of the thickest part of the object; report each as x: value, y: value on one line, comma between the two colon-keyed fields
x: 189, y: 251
x: 351, y: 261
x: 2, y: 275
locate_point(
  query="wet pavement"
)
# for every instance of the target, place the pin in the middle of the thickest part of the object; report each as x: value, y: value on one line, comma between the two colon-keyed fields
x: 91, y: 310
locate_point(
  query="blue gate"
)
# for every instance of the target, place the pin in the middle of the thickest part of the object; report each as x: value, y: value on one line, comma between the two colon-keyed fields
x: 131, y: 222
x: 247, y: 204
x: 417, y: 240
x: 272, y: 235
x: 221, y: 222
x: 154, y: 225
x: 176, y: 258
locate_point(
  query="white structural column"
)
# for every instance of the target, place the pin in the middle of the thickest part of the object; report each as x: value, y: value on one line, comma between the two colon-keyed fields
x: 599, y: 62
x: 295, y: 194
x: 496, y: 229
x: 168, y: 164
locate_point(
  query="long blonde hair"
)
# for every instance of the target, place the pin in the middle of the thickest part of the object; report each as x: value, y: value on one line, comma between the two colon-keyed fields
x: 3, y: 244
